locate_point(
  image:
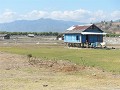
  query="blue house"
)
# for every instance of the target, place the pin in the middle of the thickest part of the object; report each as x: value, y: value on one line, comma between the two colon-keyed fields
x: 80, y: 35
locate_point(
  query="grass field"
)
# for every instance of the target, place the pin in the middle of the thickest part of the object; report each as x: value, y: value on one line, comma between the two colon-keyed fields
x: 16, y: 73
x: 108, y: 60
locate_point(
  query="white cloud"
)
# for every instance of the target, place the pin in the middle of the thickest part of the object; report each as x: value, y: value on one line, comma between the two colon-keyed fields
x: 81, y: 15
x: 7, y: 16
x: 98, y: 16
x: 35, y: 14
x: 115, y: 15
x: 76, y: 15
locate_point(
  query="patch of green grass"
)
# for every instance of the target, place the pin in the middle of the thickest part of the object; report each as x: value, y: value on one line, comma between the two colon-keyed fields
x: 108, y: 60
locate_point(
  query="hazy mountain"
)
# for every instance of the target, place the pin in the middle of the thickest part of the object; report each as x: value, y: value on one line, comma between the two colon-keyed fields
x: 40, y: 25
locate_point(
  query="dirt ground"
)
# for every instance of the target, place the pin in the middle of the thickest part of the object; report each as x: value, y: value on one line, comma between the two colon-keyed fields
x: 18, y: 73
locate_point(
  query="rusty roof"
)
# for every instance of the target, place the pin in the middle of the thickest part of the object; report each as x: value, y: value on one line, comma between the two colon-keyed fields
x: 81, y: 27
x: 77, y: 28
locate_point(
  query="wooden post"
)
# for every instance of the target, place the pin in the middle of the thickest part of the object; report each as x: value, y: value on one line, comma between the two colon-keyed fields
x: 80, y: 45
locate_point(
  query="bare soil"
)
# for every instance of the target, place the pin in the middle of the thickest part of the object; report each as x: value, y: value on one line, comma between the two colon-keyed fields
x: 17, y: 72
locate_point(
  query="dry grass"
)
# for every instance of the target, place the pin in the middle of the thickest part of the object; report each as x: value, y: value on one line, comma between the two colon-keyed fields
x: 108, y: 60
x: 17, y: 74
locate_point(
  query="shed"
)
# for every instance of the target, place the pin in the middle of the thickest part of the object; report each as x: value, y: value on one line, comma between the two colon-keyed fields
x: 31, y: 35
x: 4, y: 36
x: 80, y: 35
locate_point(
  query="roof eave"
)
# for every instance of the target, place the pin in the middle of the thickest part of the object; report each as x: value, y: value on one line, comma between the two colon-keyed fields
x: 92, y: 33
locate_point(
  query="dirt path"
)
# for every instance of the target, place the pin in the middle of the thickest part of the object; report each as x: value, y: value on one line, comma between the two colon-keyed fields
x: 17, y: 74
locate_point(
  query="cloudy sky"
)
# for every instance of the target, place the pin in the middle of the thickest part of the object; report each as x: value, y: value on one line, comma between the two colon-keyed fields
x: 72, y: 10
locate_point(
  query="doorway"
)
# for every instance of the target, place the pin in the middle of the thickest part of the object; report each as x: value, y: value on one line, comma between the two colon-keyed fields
x: 87, y: 38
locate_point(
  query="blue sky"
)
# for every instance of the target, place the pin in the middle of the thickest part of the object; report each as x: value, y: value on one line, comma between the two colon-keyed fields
x: 73, y: 10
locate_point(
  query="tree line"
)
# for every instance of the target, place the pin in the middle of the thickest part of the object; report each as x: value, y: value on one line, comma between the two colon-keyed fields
x: 35, y: 33
x: 49, y: 34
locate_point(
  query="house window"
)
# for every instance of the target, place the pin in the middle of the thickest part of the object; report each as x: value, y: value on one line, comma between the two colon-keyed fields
x: 77, y: 37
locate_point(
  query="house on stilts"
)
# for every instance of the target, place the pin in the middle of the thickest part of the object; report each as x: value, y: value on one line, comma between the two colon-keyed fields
x: 88, y: 35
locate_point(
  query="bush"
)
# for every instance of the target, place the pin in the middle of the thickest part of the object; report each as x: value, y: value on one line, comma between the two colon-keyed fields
x: 29, y: 56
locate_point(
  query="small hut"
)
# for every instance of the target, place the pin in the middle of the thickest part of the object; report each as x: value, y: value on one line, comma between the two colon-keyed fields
x: 81, y: 35
x: 4, y: 36
x: 31, y: 35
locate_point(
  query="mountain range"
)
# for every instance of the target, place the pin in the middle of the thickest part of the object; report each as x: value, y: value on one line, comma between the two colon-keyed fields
x: 40, y: 25
x: 51, y: 25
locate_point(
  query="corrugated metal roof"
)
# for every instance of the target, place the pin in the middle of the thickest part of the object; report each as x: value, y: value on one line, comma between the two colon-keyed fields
x: 71, y: 28
x: 73, y: 31
x: 80, y: 29
x: 77, y: 28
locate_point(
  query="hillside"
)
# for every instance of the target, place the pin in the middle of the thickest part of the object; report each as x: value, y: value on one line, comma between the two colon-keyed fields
x: 40, y: 25
x: 110, y: 26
